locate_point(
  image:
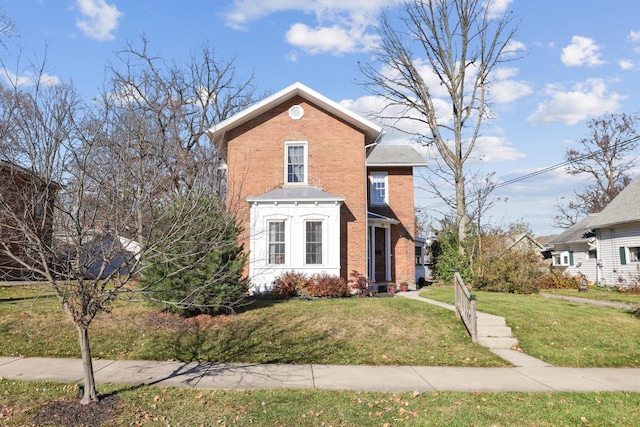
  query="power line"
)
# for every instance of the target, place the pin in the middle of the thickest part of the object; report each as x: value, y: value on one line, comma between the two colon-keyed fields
x: 621, y: 144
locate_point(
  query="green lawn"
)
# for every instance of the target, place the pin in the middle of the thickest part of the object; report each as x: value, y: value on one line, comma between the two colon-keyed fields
x: 21, y: 402
x: 360, y: 331
x: 599, y: 294
x: 560, y: 332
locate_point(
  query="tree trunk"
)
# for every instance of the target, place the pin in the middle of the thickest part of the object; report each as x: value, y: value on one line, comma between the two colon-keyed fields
x: 90, y: 393
x: 461, y: 214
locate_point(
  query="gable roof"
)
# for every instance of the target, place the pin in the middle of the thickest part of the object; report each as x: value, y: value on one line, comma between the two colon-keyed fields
x: 624, y: 208
x: 575, y: 233
x: 525, y: 237
x: 395, y: 155
x: 372, y: 131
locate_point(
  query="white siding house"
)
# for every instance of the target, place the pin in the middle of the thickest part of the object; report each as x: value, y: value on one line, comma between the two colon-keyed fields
x: 575, y: 250
x: 617, y: 230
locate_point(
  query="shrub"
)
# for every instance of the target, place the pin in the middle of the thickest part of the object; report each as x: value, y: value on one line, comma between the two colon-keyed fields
x: 555, y: 279
x: 636, y: 312
x: 358, y: 283
x: 289, y: 284
x: 509, y: 271
x: 327, y: 286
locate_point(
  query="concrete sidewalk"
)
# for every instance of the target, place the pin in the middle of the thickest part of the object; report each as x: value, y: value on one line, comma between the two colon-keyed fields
x: 238, y: 376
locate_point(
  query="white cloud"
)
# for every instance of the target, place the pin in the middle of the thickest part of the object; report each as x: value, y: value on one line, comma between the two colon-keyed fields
x: 339, y: 26
x: 29, y: 79
x: 581, y: 51
x: 588, y: 99
x: 242, y: 12
x: 505, y: 89
x: 496, y: 149
x: 497, y: 7
x: 513, y: 47
x: 99, y: 19
x: 626, y: 64
x: 334, y: 39
x: 634, y: 36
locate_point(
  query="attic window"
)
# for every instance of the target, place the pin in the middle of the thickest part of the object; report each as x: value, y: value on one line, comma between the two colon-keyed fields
x: 296, y: 112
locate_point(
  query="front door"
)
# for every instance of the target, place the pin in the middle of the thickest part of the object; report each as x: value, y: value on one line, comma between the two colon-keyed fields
x: 380, y: 255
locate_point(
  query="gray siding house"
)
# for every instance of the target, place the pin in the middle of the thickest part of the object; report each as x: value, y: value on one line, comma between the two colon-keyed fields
x: 605, y: 247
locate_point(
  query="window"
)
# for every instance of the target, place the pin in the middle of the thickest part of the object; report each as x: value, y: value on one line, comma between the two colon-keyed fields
x: 418, y: 255
x: 379, y: 188
x: 313, y: 251
x: 296, y: 162
x: 276, y: 242
x: 634, y: 254
x: 563, y: 258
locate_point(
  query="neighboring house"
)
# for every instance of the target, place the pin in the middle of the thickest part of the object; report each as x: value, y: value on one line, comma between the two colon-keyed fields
x: 574, y: 251
x: 316, y: 192
x: 26, y: 218
x: 605, y: 247
x: 617, y: 230
x: 524, y: 242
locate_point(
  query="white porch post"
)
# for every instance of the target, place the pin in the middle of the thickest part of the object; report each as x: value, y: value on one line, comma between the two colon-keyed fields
x: 372, y: 253
x: 387, y: 236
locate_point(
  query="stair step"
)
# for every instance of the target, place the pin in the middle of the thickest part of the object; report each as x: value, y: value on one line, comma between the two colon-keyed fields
x: 490, y: 320
x: 493, y: 342
x: 494, y: 331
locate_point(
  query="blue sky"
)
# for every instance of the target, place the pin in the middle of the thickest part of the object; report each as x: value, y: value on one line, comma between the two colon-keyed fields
x: 580, y: 59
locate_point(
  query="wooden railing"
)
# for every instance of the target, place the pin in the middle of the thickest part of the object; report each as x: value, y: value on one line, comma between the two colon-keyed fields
x: 466, y: 307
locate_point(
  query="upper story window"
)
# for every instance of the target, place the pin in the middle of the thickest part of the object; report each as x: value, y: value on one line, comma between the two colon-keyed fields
x: 295, y: 159
x: 379, y: 188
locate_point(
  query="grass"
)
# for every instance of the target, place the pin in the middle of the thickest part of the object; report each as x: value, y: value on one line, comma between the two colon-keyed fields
x: 599, y: 294
x: 20, y: 402
x: 560, y: 332
x: 359, y: 331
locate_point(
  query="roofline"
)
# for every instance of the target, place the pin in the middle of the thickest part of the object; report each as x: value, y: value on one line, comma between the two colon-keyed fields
x: 395, y: 165
x: 295, y: 199
x: 15, y: 167
x: 287, y: 93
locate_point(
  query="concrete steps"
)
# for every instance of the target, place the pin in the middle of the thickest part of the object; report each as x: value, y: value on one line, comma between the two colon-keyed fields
x: 493, y: 332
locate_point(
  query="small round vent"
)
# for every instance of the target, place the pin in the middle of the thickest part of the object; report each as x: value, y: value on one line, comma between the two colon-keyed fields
x: 296, y: 112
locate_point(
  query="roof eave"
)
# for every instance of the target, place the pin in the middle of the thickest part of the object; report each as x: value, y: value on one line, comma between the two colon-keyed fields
x: 370, y: 129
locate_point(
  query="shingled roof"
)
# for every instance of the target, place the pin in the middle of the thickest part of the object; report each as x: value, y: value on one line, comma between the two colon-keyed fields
x: 624, y: 208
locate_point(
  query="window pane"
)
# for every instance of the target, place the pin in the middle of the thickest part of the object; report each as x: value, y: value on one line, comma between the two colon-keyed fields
x: 276, y: 242
x: 295, y: 163
x: 314, y: 242
x: 378, y: 189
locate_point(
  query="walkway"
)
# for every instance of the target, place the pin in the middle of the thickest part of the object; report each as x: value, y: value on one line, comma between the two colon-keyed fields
x: 528, y: 375
x: 237, y: 376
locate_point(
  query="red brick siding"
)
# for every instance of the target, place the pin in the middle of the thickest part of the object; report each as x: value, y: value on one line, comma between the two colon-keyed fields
x: 255, y: 162
x: 401, y: 207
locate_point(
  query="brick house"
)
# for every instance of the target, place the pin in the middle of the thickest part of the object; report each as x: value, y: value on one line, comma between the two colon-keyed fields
x: 316, y: 192
x: 26, y: 218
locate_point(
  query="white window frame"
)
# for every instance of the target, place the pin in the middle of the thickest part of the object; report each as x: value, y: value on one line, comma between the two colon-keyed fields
x: 283, y: 242
x: 322, y: 242
x: 302, y: 144
x: 633, y: 254
x: 563, y: 257
x: 377, y: 178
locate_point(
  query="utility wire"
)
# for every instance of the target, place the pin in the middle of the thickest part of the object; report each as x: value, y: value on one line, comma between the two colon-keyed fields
x: 547, y: 169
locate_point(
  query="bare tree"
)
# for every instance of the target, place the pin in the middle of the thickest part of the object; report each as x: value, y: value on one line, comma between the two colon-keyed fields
x: 7, y: 28
x: 87, y: 210
x: 606, y: 155
x: 459, y: 43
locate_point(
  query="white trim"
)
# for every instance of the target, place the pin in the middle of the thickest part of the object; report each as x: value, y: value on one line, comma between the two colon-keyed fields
x: 375, y: 177
x: 370, y: 129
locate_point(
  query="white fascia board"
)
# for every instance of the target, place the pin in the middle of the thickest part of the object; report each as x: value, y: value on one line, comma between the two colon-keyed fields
x: 287, y: 93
